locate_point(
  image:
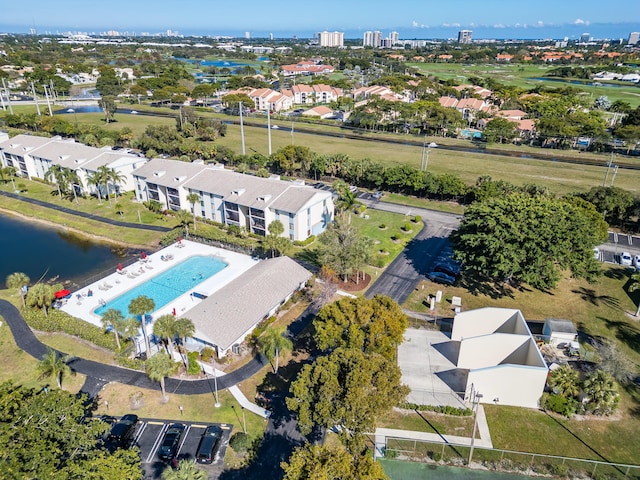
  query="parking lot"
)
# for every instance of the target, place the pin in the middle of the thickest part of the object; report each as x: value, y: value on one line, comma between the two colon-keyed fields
x: 149, y: 435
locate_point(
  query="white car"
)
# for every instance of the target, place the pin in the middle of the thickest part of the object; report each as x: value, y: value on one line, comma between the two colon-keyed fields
x: 636, y: 261
x: 626, y: 259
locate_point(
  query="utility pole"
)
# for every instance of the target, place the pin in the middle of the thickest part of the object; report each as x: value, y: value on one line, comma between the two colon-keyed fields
x: 242, y: 129
x: 606, y: 173
x: 269, y: 126
x: 46, y: 95
x: 35, y: 98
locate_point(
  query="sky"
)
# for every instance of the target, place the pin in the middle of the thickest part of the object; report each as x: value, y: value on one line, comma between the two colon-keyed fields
x: 286, y: 18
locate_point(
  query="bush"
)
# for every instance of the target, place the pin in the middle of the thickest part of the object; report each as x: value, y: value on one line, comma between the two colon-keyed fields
x: 417, y: 219
x: 193, y: 367
x: 407, y: 227
x: 304, y: 243
x: 240, y: 442
x: 207, y: 354
x: 382, y: 226
x: 59, y: 321
x: 558, y: 404
x: 171, y: 237
x: 444, y: 409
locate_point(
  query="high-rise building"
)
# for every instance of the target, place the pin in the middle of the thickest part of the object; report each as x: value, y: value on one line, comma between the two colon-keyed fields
x: 464, y: 36
x: 372, y: 39
x: 394, y: 36
x: 634, y: 38
x: 584, y: 38
x: 331, y: 39
x: 271, y: 36
x: 247, y: 35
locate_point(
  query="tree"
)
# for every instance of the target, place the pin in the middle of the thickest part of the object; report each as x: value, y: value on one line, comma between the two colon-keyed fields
x: 158, y: 367
x: 329, y: 462
x: 500, y: 129
x: 96, y: 178
x: 18, y: 280
x: 602, y: 393
x: 614, y: 203
x: 115, y: 178
x: 184, y: 219
x: 518, y: 238
x: 347, y: 388
x: 166, y: 329
x: 55, y: 366
x: 41, y: 296
x: 194, y: 198
x: 565, y: 381
x: 184, y: 328
x: 140, y: 306
x: 56, y: 173
x: 108, y: 83
x: 274, y: 241
x: 273, y: 343
x: 374, y: 325
x: 187, y: 470
x: 51, y: 438
x: 115, y: 319
x: 341, y: 246
x: 108, y: 106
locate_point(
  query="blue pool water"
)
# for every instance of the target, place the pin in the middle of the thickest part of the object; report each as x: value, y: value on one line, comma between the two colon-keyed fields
x: 169, y: 285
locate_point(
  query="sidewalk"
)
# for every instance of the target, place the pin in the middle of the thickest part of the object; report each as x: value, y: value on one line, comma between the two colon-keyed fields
x: 381, y: 434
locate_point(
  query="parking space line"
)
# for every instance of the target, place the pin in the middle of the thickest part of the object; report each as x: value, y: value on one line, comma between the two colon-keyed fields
x: 195, y: 425
x: 139, y: 433
x: 184, y: 439
x: 156, y: 444
x: 156, y: 423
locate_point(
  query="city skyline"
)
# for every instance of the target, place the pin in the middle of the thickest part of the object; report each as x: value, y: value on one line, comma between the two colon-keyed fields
x: 412, y: 18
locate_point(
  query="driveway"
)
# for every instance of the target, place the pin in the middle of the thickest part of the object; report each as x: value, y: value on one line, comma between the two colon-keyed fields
x: 427, y: 359
x: 405, y: 272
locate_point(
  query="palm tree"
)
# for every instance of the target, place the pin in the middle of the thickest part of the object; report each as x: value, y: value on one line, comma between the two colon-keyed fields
x: 72, y: 178
x: 273, y: 343
x: 115, y: 319
x: 41, y: 295
x: 140, y: 306
x: 602, y: 391
x: 95, y: 178
x: 193, y: 198
x: 18, y: 280
x: 565, y: 382
x: 635, y: 278
x: 187, y: 470
x: 55, y: 366
x: 184, y: 219
x: 159, y: 367
x: 56, y: 173
x: 165, y: 327
x: 184, y: 328
x: 103, y: 170
x: 114, y: 177
x: 130, y: 327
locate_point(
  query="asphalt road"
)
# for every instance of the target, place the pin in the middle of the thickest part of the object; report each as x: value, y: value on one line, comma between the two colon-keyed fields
x: 405, y: 272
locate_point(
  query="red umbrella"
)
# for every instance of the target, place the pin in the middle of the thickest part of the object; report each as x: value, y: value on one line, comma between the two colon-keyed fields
x: 119, y: 266
x: 179, y: 239
x: 144, y: 255
x: 62, y: 293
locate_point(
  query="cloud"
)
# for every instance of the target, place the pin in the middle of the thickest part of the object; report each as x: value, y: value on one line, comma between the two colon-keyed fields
x: 539, y: 24
x: 579, y: 21
x: 451, y: 25
x: 414, y: 24
x: 499, y: 25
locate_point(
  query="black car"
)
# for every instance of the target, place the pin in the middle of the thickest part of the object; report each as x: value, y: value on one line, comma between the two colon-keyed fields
x: 451, y: 269
x: 171, y: 441
x: 208, y: 443
x: 122, y: 432
x: 440, y: 277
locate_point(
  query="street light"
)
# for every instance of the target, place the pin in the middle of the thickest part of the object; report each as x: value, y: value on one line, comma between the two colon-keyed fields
x: 476, y: 402
x: 425, y: 153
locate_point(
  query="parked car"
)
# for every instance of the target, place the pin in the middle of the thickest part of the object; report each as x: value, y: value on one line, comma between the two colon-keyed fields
x: 376, y: 195
x: 596, y: 253
x: 450, y: 268
x: 169, y: 447
x: 626, y: 259
x: 208, y: 444
x: 440, y: 277
x: 636, y: 262
x: 123, y: 431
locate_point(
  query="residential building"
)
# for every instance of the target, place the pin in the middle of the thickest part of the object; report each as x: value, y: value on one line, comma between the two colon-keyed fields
x: 464, y: 36
x: 394, y: 37
x: 584, y: 38
x: 237, y: 199
x: 372, y: 39
x: 309, y: 94
x: 501, y: 357
x: 32, y: 157
x: 634, y: 38
x: 266, y: 98
x: 224, y: 319
x: 331, y: 39
x: 306, y: 68
x: 320, y: 111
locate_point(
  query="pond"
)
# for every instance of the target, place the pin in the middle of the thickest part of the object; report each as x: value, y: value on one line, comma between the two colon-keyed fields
x: 45, y: 252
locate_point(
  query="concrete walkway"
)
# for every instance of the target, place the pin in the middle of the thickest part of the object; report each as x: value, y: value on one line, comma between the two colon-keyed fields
x: 382, y: 434
x: 244, y: 403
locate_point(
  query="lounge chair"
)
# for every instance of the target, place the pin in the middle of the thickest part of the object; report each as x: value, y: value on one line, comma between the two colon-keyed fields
x: 149, y: 267
x: 102, y: 287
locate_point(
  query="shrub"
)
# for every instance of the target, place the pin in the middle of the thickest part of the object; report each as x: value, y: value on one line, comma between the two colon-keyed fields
x: 59, y: 321
x: 558, y: 404
x: 193, y: 367
x: 417, y: 219
x: 171, y: 237
x: 240, y: 442
x: 379, y: 261
x: 360, y: 209
x: 407, y: 227
x: 304, y: 243
x: 445, y: 409
x: 382, y: 226
x: 207, y: 354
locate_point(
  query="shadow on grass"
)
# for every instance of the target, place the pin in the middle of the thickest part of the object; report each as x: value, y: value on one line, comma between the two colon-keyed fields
x: 483, y: 286
x: 308, y: 256
x: 617, y: 273
x: 625, y: 332
x: 435, y: 429
x: 590, y: 295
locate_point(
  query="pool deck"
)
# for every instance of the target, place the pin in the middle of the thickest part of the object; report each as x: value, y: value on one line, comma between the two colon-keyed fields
x: 117, y: 283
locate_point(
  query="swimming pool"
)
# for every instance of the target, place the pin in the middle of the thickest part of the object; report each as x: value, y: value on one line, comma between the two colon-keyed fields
x: 168, y: 285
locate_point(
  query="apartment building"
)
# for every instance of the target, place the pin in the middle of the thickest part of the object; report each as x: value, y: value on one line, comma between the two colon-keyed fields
x: 308, y: 94
x: 237, y: 199
x: 331, y: 39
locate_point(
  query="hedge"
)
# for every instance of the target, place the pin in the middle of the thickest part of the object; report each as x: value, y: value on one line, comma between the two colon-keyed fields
x: 304, y: 243
x: 445, y: 409
x: 59, y: 321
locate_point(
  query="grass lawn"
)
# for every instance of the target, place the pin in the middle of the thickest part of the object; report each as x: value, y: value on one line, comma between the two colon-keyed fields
x: 450, y: 207
x: 429, y: 422
x: 76, y: 347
